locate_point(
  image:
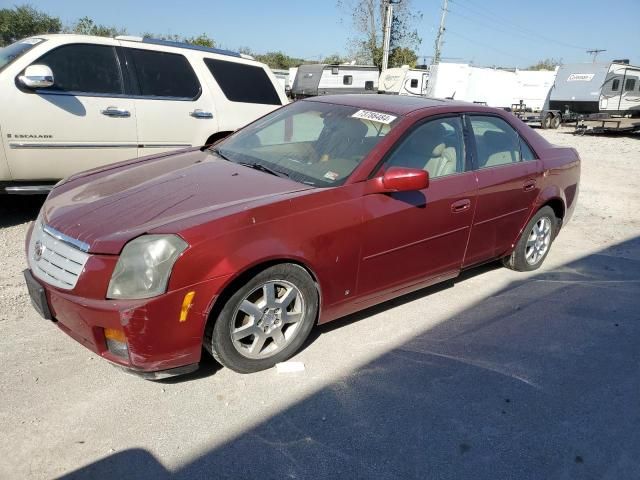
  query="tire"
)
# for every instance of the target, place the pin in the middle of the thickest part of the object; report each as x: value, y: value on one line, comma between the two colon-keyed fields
x: 545, y: 123
x: 530, y: 253
x: 265, y: 321
x: 555, y: 122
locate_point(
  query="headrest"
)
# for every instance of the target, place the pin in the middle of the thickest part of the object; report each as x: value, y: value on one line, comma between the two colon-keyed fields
x: 437, y: 152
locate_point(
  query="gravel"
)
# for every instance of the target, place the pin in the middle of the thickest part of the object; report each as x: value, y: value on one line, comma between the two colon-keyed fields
x: 500, y: 375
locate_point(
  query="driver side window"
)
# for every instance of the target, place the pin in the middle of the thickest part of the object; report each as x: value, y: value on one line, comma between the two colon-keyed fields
x: 436, y: 146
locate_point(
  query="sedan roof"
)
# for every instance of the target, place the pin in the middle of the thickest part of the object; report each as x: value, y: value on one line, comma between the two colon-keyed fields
x: 396, y: 104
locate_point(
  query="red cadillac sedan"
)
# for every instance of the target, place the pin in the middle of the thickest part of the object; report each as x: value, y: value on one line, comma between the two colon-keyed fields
x: 317, y: 210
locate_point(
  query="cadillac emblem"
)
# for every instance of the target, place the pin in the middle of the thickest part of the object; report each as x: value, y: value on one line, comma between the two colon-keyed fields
x: 38, y: 250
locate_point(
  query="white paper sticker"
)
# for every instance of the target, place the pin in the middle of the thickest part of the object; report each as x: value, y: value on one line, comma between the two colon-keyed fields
x: 374, y: 116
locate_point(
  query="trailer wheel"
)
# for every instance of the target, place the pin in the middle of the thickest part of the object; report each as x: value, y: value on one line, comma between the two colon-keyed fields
x: 555, y: 122
x: 545, y: 123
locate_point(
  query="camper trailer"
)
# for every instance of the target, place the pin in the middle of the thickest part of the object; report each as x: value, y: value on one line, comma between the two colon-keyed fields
x: 282, y: 76
x: 465, y: 82
x: 491, y: 86
x: 323, y: 79
x: 584, y: 91
x: 404, y: 81
x: 532, y: 87
x: 612, y: 88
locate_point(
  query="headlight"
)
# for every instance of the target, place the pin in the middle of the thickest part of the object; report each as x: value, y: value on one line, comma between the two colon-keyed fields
x: 144, y: 266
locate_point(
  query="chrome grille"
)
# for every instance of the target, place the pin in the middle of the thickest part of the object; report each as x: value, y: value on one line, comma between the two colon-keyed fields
x: 54, y: 258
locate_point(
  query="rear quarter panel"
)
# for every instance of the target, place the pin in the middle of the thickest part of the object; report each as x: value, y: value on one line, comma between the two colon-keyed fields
x: 560, y: 178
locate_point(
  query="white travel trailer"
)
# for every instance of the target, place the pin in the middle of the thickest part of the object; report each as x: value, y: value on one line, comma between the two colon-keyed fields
x: 532, y: 87
x: 461, y: 81
x: 282, y: 76
x: 404, y: 81
x: 490, y: 86
x: 323, y: 79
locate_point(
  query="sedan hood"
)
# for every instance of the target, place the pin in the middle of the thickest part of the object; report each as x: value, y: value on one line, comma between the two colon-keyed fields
x: 107, y: 207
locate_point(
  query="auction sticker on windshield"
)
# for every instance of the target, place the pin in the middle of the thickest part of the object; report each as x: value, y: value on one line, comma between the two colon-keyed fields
x: 374, y: 116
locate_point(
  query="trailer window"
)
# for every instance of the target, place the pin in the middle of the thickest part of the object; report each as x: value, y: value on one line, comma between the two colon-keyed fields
x: 615, y: 85
x: 414, y: 83
x: 334, y: 70
x: 368, y: 85
x: 630, y: 85
x: 347, y: 80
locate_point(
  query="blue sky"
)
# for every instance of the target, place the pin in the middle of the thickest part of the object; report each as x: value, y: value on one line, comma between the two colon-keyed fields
x: 487, y: 32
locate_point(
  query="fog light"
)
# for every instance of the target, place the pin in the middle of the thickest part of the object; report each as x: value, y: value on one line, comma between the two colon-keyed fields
x: 116, y: 342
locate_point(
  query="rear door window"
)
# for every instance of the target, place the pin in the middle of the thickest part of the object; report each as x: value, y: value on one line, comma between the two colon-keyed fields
x: 81, y: 68
x: 497, y: 143
x: 162, y: 74
x: 243, y: 83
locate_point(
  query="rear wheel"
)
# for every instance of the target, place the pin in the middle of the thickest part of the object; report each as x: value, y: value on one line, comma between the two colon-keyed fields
x: 555, y: 122
x: 545, y: 123
x: 265, y: 321
x: 534, y: 243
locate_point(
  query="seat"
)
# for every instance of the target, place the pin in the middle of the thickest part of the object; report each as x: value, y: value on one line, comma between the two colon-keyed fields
x: 497, y: 148
x: 442, y: 161
x: 344, y: 139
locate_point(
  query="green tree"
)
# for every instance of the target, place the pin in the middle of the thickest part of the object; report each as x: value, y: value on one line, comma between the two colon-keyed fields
x: 546, y: 64
x: 86, y: 26
x: 276, y: 59
x: 203, y: 40
x: 334, y: 59
x: 25, y: 21
x: 366, y: 18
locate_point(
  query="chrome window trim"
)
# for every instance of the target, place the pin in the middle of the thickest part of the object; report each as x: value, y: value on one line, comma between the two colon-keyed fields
x: 80, y: 245
x: 125, y: 96
x: 74, y: 146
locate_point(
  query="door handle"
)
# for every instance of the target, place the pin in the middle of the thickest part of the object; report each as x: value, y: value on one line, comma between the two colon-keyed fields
x: 115, y: 112
x: 460, y: 205
x: 529, y: 185
x: 198, y: 113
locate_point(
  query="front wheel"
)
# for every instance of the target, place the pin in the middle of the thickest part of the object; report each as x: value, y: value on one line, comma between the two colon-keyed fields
x: 534, y: 243
x: 265, y: 321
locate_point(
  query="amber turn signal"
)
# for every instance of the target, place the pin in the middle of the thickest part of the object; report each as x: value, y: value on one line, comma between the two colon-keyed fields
x: 187, y: 303
x: 113, y: 334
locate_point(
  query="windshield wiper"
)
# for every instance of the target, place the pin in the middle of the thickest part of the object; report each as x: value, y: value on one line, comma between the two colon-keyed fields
x: 217, y: 152
x: 262, y: 168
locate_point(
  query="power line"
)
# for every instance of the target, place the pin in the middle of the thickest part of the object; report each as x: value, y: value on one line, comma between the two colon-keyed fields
x: 595, y: 53
x: 505, y: 22
x: 485, y: 45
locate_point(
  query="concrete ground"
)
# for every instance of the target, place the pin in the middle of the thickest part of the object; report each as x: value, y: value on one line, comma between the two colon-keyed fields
x: 496, y: 375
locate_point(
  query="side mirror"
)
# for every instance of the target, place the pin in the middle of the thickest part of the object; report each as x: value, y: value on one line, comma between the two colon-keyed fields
x: 399, y: 179
x: 37, y: 76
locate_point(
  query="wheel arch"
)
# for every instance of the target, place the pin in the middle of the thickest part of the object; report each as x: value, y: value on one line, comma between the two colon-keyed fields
x: 239, y: 278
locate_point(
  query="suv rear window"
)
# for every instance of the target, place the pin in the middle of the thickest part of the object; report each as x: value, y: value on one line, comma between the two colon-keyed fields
x: 82, y: 68
x: 162, y: 74
x: 243, y: 83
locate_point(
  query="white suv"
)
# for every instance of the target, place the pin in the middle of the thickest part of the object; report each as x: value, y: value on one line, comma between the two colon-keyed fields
x: 73, y: 102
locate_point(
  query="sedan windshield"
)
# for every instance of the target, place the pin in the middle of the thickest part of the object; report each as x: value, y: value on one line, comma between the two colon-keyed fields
x: 9, y: 53
x: 315, y: 143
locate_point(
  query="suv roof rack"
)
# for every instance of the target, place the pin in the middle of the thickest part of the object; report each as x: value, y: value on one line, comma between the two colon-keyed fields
x: 189, y: 46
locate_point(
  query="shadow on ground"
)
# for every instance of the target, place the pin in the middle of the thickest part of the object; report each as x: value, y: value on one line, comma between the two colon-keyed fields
x: 539, y: 381
x: 17, y: 209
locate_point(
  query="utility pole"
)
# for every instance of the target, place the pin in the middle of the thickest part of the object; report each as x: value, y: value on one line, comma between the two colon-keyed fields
x: 440, y: 36
x: 595, y: 53
x: 386, y: 39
